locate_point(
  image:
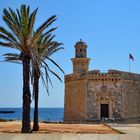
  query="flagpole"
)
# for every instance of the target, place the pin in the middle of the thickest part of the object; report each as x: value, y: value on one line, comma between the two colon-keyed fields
x: 130, y: 58
x: 129, y: 65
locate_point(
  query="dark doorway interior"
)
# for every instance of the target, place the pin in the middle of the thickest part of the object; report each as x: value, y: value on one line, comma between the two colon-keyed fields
x: 104, y: 111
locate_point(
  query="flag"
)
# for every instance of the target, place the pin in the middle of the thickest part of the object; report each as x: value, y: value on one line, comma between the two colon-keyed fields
x: 131, y: 57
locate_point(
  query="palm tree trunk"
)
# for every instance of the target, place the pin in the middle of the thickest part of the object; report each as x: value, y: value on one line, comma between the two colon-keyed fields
x: 36, y: 94
x: 26, y: 128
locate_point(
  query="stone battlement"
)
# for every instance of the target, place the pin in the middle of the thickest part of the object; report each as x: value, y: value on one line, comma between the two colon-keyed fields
x: 96, y: 75
x: 112, y: 72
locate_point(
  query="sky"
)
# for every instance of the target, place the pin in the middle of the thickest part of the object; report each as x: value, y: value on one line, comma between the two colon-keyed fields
x: 110, y: 28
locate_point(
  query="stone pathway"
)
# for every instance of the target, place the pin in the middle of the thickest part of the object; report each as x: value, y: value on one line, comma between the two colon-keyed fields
x: 69, y: 137
x: 132, y: 129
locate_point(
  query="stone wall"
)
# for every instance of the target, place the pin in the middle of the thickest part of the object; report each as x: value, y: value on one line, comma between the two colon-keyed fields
x: 85, y: 92
x: 104, y: 92
x: 131, y: 99
x: 75, y: 101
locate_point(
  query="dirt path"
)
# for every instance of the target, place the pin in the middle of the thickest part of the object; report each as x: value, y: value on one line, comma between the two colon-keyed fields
x: 15, y: 127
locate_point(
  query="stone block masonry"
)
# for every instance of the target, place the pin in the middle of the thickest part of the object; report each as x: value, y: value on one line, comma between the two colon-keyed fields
x: 93, y: 95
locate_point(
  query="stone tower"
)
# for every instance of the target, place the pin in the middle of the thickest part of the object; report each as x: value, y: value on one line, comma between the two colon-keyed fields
x: 75, y: 90
x: 80, y: 62
x: 93, y: 95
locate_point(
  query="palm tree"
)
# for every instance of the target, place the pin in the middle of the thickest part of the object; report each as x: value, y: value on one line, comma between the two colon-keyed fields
x: 45, y: 48
x: 20, y: 36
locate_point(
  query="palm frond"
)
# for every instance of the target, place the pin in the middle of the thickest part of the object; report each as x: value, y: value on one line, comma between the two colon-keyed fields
x: 19, y: 17
x: 32, y: 21
x: 45, y: 84
x: 7, y: 14
x: 12, y: 26
x: 24, y: 21
x: 12, y: 54
x: 53, y: 46
x: 47, y: 76
x: 56, y: 64
x: 12, y: 57
x: 45, y: 39
x: 56, y: 75
x: 48, y: 45
x: 43, y: 27
x: 17, y: 46
x: 52, y: 71
x: 8, y: 34
x: 5, y: 38
x: 15, y: 18
x: 49, y: 31
x: 54, y: 51
x: 7, y: 44
x: 50, y: 39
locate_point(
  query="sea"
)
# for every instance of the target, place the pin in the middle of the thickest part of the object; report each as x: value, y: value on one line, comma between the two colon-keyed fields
x: 45, y: 114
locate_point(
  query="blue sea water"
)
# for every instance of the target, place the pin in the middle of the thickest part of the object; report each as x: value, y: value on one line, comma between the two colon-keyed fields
x: 45, y: 114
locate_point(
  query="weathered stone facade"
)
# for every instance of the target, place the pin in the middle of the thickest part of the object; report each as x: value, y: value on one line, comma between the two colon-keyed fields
x: 92, y: 95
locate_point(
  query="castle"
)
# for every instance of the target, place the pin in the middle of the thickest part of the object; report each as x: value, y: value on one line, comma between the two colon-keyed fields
x: 92, y: 95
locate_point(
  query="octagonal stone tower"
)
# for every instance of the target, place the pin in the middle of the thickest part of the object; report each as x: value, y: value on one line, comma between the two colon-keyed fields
x: 80, y: 62
x: 75, y: 90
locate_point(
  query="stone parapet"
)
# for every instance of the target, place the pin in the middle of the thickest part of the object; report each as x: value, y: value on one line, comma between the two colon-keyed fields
x: 86, y: 92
